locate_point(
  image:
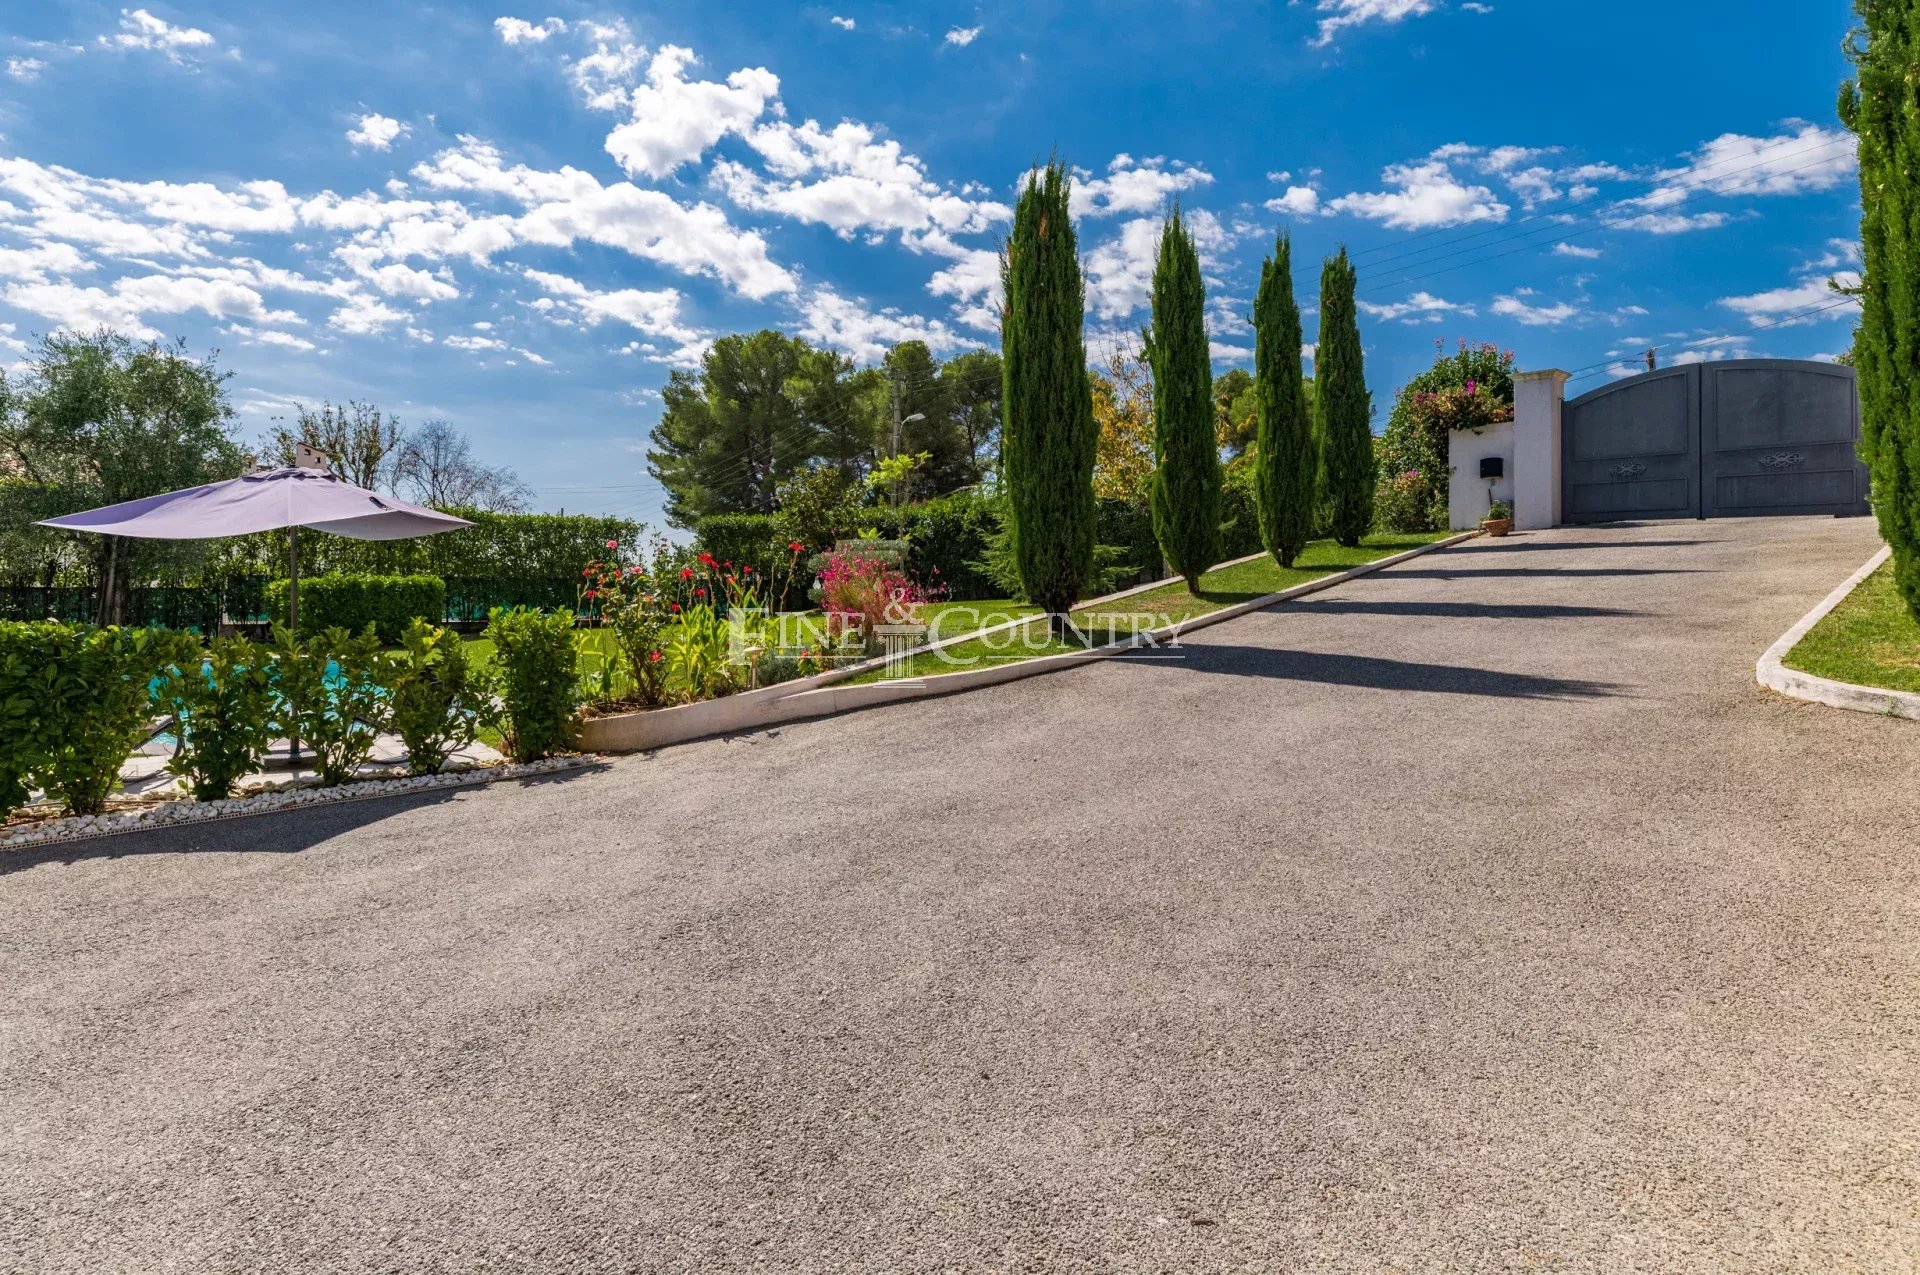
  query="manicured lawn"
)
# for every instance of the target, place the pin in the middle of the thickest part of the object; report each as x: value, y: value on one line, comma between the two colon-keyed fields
x: 1220, y: 588
x: 1869, y: 640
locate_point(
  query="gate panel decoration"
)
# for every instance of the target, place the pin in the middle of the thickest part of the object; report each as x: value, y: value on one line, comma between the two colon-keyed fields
x: 1749, y: 437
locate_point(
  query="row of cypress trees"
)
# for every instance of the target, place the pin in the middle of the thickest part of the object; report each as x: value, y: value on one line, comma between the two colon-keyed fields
x: 1309, y: 466
x: 1881, y: 106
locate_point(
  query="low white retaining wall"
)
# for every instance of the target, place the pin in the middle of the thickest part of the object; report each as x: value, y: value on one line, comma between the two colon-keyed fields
x: 1772, y: 672
x: 757, y: 710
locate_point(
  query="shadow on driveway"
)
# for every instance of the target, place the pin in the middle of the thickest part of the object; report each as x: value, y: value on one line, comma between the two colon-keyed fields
x: 1516, y: 573
x: 1465, y: 610
x: 278, y: 832
x: 1510, y: 545
x: 1377, y: 674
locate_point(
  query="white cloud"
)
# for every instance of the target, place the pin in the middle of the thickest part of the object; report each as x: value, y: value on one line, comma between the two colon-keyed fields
x: 363, y: 314
x: 1299, y: 201
x: 520, y: 31
x: 1421, y: 307
x: 25, y: 69
x: 1342, y: 14
x: 845, y: 24
x: 1577, y: 251
x: 270, y: 336
x: 1805, y: 295
x: 568, y: 205
x: 841, y: 323
x: 1809, y: 158
x: 1132, y: 186
x: 847, y: 179
x: 1533, y: 316
x: 1428, y: 195
x: 656, y: 313
x: 961, y: 37
x: 1119, y: 272
x: 141, y: 30
x: 675, y: 120
x: 124, y: 304
x: 1670, y: 223
x: 602, y: 76
x: 376, y: 132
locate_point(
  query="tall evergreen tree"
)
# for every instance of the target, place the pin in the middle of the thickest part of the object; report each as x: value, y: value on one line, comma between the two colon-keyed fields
x: 1344, y: 412
x: 1286, y: 482
x: 1880, y: 106
x: 1185, y: 493
x: 1046, y: 408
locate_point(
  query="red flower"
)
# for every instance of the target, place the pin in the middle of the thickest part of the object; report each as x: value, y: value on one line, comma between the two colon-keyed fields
x: 686, y: 573
x: 795, y: 546
x: 653, y: 657
x: 676, y: 606
x: 593, y: 593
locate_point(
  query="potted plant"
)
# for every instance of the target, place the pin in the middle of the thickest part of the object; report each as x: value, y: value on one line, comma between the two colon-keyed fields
x: 1499, y: 519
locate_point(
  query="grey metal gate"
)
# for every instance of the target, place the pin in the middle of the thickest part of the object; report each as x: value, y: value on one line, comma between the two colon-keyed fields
x: 1748, y: 437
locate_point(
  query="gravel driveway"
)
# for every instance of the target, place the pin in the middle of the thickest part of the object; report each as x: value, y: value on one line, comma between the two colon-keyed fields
x: 1481, y: 915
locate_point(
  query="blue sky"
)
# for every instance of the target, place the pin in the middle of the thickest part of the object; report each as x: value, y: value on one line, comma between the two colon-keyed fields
x: 520, y: 219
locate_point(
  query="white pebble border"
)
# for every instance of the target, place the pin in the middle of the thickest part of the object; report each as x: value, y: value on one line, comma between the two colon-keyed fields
x: 170, y: 814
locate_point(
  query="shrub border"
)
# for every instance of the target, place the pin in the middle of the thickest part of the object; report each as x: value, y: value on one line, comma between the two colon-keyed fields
x: 1772, y: 673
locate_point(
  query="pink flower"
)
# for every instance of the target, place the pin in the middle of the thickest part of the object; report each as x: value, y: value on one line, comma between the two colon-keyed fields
x: 613, y: 544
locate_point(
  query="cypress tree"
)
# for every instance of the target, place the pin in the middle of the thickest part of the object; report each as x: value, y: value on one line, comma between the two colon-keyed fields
x: 1286, y: 482
x: 1185, y: 494
x: 1047, y: 425
x: 1344, y: 412
x: 1880, y: 106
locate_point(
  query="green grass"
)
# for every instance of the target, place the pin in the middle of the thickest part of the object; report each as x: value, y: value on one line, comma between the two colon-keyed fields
x: 1871, y: 639
x: 1220, y: 588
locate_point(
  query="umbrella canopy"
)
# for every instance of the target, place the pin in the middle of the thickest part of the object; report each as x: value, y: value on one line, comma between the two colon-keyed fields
x: 268, y: 501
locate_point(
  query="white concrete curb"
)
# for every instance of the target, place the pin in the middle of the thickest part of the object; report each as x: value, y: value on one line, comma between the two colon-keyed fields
x: 168, y: 814
x: 1776, y: 676
x: 758, y: 710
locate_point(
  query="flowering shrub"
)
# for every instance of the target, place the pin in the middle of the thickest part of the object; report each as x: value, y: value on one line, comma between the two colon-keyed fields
x: 857, y: 592
x: 1469, y: 389
x: 1403, y: 501
x: 664, y: 608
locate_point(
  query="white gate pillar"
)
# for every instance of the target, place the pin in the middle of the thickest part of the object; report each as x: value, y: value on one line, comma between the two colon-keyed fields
x: 1537, y: 401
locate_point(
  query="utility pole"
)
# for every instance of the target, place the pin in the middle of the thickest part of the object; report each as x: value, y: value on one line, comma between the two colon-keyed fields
x: 1653, y: 363
x: 893, y: 380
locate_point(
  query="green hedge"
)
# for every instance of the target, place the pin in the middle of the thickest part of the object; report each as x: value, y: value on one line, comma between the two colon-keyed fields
x: 74, y: 702
x: 352, y: 602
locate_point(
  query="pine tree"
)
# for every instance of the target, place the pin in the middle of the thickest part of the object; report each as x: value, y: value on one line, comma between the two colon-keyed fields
x: 1286, y: 482
x: 1046, y: 407
x: 1880, y: 106
x: 1344, y: 410
x: 1185, y: 493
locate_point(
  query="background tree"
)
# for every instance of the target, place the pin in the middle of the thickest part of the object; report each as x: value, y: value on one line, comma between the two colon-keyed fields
x: 98, y: 419
x: 732, y: 433
x: 1288, y: 465
x: 435, y: 466
x: 362, y: 441
x: 1236, y: 411
x: 1185, y: 492
x: 1880, y: 106
x: 1123, y: 414
x: 1047, y: 411
x: 972, y: 382
x: 1344, y: 410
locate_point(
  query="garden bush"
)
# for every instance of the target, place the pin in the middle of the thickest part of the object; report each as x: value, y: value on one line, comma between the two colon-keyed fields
x: 336, y: 691
x: 441, y: 697
x: 539, y: 663
x: 1413, y: 453
x: 225, y: 712
x: 109, y: 710
x: 34, y: 674
x: 352, y: 602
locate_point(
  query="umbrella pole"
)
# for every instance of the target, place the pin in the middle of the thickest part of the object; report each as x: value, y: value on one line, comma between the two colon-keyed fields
x: 293, y: 623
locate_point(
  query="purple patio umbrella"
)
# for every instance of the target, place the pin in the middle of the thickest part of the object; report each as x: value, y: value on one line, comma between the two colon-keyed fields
x: 269, y: 500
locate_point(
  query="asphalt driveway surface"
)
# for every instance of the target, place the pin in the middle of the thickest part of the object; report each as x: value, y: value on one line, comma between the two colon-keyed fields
x: 1482, y: 915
